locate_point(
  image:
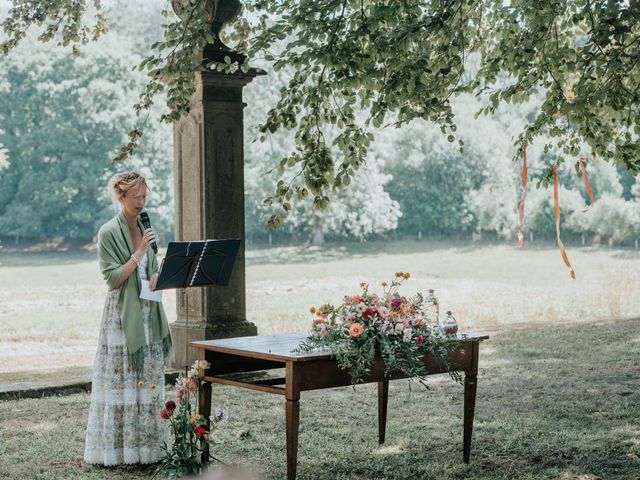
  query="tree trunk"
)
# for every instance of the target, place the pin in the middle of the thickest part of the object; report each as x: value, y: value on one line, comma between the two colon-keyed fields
x: 318, y: 235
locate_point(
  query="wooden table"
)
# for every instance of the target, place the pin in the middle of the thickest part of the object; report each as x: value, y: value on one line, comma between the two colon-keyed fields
x: 312, y: 371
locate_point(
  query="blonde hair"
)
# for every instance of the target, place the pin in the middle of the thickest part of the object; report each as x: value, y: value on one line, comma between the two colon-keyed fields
x: 121, y: 183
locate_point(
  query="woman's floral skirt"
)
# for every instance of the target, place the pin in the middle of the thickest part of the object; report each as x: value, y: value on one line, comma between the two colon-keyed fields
x: 124, y: 424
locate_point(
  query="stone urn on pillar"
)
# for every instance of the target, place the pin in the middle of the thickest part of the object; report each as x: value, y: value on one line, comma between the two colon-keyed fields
x: 209, y: 187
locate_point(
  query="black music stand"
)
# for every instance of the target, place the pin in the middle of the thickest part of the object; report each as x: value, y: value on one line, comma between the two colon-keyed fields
x: 201, y: 263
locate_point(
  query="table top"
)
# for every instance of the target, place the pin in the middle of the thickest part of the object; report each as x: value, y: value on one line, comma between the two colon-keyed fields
x: 281, y: 346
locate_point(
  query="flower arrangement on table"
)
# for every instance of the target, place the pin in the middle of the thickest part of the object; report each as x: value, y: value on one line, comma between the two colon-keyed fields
x: 401, y: 330
x: 189, y: 435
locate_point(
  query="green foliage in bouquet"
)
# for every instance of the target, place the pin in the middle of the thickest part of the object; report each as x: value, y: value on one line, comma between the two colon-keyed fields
x: 367, y: 326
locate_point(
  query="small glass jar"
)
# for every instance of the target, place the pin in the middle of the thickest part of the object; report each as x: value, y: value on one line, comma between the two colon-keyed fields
x: 449, y: 325
x: 433, y: 307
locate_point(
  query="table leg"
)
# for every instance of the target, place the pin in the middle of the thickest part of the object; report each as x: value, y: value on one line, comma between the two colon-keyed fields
x: 383, y: 397
x: 470, y: 384
x: 293, y: 422
x: 204, y: 409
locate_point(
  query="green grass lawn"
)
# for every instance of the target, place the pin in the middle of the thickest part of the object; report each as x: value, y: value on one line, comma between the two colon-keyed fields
x: 554, y: 402
x: 50, y: 304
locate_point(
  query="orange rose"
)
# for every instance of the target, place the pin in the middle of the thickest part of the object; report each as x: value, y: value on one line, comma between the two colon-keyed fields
x: 312, y: 310
x: 355, y: 330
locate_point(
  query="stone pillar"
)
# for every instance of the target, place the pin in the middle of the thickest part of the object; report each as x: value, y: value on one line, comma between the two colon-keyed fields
x: 209, y: 195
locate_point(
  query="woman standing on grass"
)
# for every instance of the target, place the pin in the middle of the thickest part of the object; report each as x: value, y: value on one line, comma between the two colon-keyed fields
x: 124, y: 425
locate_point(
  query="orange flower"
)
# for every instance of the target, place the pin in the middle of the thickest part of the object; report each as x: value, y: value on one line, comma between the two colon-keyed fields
x: 406, y: 275
x: 312, y: 310
x: 355, y: 330
x: 318, y: 321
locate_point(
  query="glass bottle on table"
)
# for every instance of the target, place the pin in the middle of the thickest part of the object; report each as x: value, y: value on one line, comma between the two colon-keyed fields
x: 449, y: 325
x: 433, y: 306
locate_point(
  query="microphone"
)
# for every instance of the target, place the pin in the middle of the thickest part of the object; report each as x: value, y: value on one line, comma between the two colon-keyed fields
x: 146, y: 223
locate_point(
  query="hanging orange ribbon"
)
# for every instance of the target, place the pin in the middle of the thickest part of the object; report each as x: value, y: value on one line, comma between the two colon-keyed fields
x: 587, y: 184
x: 563, y: 251
x: 523, y: 195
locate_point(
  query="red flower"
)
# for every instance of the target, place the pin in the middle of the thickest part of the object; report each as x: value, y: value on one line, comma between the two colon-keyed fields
x: 369, y: 313
x: 200, y: 431
x: 170, y: 405
x: 420, y: 340
x: 166, y: 413
x: 396, y: 302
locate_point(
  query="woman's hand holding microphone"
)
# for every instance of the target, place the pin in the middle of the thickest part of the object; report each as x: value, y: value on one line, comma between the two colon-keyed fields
x: 148, y: 238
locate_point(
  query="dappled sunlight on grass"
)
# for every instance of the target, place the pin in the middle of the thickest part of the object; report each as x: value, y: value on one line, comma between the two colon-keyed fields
x: 388, y: 450
x: 575, y: 420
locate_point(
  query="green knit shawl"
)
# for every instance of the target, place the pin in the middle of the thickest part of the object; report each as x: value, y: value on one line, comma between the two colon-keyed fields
x: 114, y: 250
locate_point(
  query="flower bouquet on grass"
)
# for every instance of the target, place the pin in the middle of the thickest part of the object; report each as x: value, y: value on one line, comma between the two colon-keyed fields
x: 369, y: 326
x: 188, y: 429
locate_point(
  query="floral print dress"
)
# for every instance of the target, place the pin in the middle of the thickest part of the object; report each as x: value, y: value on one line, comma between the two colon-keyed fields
x: 124, y: 425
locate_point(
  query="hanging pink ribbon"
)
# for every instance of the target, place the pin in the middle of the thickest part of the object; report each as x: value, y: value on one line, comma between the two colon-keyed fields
x: 523, y: 195
x: 587, y: 184
x: 563, y: 250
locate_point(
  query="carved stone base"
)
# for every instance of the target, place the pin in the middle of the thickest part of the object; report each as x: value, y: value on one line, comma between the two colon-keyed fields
x: 199, y: 331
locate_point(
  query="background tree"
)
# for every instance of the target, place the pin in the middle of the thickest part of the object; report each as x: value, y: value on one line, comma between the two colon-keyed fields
x: 409, y: 59
x: 432, y: 181
x: 563, y: 75
x: 60, y: 119
x: 358, y: 212
x: 405, y: 59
